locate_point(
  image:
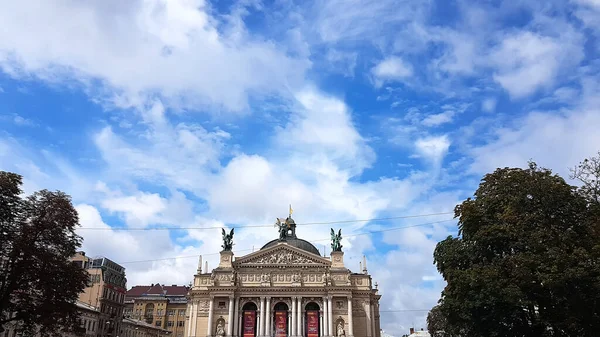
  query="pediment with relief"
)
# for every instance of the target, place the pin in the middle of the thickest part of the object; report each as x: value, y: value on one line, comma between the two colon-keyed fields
x: 282, y: 255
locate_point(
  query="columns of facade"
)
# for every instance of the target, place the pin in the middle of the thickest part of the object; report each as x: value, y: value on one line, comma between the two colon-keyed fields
x: 236, y: 318
x: 330, y: 315
x: 299, y: 327
x: 261, y: 320
x: 210, y: 317
x: 350, y: 318
x: 325, y: 316
x: 191, y: 316
x: 230, y: 317
x: 374, y: 329
x: 268, y: 317
x: 368, y: 313
x: 321, y: 323
x: 294, y: 319
x: 289, y: 326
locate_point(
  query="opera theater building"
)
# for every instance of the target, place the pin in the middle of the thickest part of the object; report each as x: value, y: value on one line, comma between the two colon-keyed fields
x: 284, y: 289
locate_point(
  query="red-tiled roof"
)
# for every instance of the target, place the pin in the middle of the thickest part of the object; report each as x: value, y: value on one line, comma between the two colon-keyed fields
x: 157, y: 289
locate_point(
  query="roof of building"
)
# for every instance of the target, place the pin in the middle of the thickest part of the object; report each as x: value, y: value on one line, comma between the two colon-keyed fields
x: 127, y: 320
x: 420, y: 334
x: 296, y: 242
x: 85, y: 306
x: 157, y: 290
x: 292, y: 240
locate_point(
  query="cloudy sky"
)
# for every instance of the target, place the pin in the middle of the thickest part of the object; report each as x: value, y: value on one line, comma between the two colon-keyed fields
x: 204, y: 114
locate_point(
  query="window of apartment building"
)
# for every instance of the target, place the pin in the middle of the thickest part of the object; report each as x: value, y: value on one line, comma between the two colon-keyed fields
x: 181, y: 312
x: 171, y: 312
x: 93, y: 325
x: 180, y: 323
x: 158, y: 323
x: 104, y: 292
x: 170, y: 323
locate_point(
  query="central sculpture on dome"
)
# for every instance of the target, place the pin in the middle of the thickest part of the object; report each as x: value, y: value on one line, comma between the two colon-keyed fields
x: 287, y: 228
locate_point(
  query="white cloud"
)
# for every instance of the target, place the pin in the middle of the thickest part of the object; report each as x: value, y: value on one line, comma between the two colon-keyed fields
x: 391, y: 69
x: 552, y: 139
x: 355, y: 21
x: 527, y: 61
x: 342, y: 62
x: 138, y: 49
x: 489, y: 105
x: 433, y: 148
x: 439, y: 119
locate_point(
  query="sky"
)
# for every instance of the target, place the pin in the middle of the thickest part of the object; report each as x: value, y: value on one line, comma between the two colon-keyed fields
x: 210, y: 114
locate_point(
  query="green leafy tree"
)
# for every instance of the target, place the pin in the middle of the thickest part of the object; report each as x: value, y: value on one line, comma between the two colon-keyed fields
x: 39, y: 286
x: 526, y: 260
x: 436, y: 323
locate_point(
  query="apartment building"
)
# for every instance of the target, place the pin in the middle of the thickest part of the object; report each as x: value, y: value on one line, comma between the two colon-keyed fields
x: 160, y: 305
x: 106, y: 292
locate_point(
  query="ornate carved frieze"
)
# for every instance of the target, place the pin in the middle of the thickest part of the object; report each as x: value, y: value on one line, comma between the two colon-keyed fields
x: 282, y: 257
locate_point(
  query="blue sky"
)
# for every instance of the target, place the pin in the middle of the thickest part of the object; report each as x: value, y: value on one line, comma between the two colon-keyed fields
x: 190, y: 113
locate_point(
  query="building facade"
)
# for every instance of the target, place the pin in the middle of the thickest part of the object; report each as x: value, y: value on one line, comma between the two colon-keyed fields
x: 88, y: 318
x: 162, y: 306
x: 106, y: 292
x: 284, y: 289
x: 135, y: 328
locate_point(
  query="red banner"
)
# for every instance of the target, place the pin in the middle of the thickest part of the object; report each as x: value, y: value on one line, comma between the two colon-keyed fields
x: 249, y: 323
x: 280, y: 323
x: 312, y: 323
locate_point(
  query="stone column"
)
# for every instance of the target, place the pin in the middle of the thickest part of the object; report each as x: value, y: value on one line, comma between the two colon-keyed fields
x: 289, y: 326
x: 190, y: 309
x: 367, y: 307
x: 210, y: 317
x: 268, y: 317
x: 299, y: 316
x: 236, y: 318
x: 330, y: 314
x: 321, y: 323
x: 261, y: 326
x: 294, y: 319
x: 373, y: 320
x: 350, y: 318
x: 240, y: 324
x: 325, y: 318
x: 230, y: 317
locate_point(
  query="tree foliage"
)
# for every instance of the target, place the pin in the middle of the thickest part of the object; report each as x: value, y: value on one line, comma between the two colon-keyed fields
x: 526, y: 261
x: 436, y: 323
x: 39, y: 286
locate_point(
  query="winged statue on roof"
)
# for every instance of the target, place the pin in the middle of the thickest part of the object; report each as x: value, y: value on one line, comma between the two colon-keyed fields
x: 336, y: 240
x: 227, y: 239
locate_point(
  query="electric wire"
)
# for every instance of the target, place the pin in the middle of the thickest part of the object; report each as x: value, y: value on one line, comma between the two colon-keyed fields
x: 319, y: 240
x: 258, y: 226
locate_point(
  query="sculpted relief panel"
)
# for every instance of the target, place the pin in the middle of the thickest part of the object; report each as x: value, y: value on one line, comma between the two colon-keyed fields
x: 282, y: 258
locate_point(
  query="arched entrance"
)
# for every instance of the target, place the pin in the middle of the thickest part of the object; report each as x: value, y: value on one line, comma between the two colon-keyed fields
x: 312, y: 325
x: 280, y: 319
x: 249, y: 320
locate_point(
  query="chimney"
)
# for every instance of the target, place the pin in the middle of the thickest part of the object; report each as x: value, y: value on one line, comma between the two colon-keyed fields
x: 359, y: 265
x: 206, y: 267
x: 412, y: 331
x: 364, y: 265
x: 199, y: 265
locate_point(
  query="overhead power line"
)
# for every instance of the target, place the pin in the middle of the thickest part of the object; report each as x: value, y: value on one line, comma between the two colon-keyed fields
x: 319, y: 240
x: 257, y: 226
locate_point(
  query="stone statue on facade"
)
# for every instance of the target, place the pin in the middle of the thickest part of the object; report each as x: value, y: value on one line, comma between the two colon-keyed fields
x: 336, y: 241
x: 340, y: 330
x: 227, y: 240
x: 220, y: 329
